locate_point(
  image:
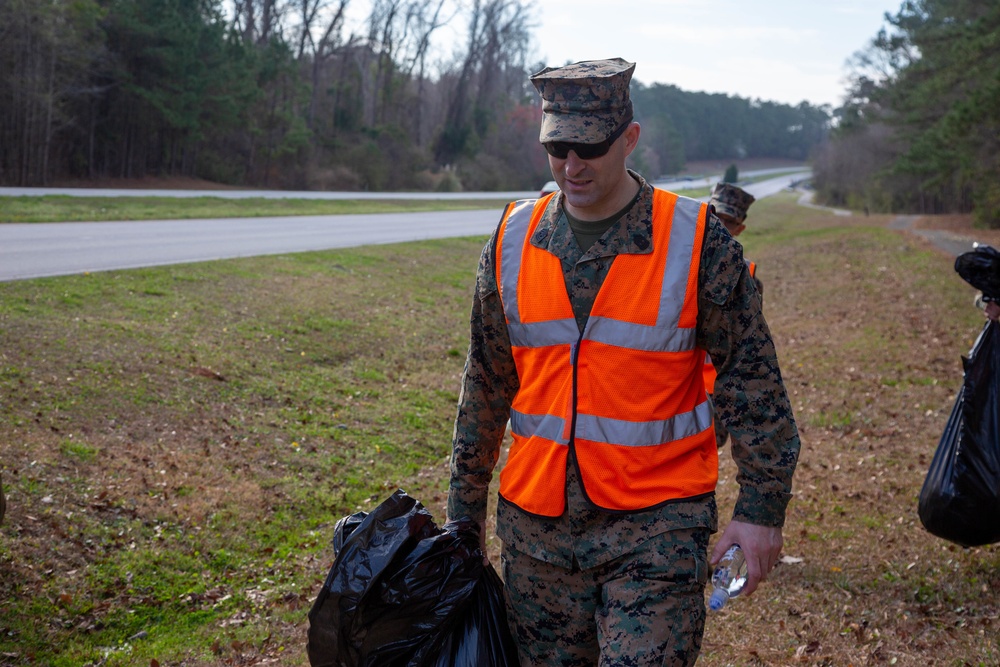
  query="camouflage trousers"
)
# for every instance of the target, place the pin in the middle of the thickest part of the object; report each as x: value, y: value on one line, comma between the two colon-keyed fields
x: 643, y: 609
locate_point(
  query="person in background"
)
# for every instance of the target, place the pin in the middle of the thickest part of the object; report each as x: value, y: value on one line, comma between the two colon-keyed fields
x: 592, y: 309
x: 990, y: 308
x: 730, y: 204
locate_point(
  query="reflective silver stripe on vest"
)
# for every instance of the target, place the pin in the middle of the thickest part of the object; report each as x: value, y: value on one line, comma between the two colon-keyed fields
x: 540, y: 334
x: 553, y: 332
x: 512, y: 243
x: 664, y: 336
x: 644, y: 434
x: 640, y: 336
x: 545, y: 426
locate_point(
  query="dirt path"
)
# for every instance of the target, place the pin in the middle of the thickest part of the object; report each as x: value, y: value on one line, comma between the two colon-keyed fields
x: 806, y: 199
x: 953, y: 242
x: 949, y: 234
x: 952, y: 234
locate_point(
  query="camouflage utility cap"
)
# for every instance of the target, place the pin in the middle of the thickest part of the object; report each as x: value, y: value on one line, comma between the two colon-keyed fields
x: 731, y: 200
x: 584, y: 102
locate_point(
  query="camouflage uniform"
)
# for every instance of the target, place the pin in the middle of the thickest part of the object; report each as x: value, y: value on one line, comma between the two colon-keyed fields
x: 731, y: 201
x: 734, y: 201
x: 584, y: 103
x: 628, y: 587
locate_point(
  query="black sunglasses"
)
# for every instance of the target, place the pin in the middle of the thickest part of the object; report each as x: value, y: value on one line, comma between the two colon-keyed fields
x: 561, y: 149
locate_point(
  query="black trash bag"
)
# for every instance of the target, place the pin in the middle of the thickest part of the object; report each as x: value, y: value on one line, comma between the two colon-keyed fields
x: 960, y: 498
x: 404, y: 593
x: 483, y: 638
x: 980, y: 268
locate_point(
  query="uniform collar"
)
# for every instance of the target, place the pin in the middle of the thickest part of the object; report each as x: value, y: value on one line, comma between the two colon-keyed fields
x: 632, y: 234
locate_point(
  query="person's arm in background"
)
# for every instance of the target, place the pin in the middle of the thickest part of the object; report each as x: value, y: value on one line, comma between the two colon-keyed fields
x: 751, y: 402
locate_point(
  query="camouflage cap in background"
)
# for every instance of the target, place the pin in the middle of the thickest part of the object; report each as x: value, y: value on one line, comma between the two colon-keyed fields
x: 731, y: 200
x: 584, y: 102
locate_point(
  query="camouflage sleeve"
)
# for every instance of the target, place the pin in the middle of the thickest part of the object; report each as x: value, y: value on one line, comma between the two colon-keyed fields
x: 749, y: 394
x: 489, y: 383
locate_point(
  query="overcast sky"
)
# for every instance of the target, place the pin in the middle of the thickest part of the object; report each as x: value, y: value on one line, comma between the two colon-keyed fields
x: 778, y: 50
x: 785, y: 51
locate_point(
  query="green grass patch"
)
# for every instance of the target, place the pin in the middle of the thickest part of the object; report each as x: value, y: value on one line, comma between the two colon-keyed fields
x: 63, y: 208
x: 218, y: 418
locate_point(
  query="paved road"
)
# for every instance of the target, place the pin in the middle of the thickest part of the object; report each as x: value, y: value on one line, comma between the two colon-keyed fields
x: 52, y: 249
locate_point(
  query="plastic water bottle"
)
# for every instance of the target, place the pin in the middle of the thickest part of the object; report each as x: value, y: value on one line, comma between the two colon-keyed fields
x: 728, y: 579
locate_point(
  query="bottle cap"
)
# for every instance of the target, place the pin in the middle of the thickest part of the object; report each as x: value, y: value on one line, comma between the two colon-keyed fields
x: 718, y: 600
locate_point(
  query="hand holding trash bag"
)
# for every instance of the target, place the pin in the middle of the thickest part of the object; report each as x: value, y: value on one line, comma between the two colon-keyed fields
x: 404, y: 593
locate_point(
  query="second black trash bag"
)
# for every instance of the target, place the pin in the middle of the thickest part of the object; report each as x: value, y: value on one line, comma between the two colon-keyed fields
x: 960, y: 498
x: 404, y: 593
x: 980, y: 267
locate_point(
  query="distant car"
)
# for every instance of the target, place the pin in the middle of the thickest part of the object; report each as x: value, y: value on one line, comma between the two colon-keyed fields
x: 551, y: 186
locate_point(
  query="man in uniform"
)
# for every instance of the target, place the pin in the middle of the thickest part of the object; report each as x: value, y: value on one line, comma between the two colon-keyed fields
x: 990, y: 308
x: 729, y: 203
x: 588, y: 335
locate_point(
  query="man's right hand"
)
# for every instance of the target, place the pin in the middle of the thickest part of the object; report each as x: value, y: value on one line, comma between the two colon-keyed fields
x: 761, y: 546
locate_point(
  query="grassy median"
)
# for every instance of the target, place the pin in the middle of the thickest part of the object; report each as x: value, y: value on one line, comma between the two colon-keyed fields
x: 178, y: 442
x: 63, y: 208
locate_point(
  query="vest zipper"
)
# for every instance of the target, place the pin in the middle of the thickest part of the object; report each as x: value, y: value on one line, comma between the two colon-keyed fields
x: 574, y: 352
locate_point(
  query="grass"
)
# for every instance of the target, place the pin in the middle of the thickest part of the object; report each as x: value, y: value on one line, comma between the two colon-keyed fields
x: 193, y: 430
x: 61, y: 208
x: 178, y: 442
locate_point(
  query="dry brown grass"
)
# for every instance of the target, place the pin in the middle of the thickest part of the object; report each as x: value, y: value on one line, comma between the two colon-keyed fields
x: 869, y: 334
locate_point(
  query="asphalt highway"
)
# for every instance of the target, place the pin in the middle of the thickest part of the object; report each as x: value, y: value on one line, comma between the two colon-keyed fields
x: 38, y: 250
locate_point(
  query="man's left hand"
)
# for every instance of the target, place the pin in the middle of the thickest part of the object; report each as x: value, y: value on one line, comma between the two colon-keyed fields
x: 761, y: 546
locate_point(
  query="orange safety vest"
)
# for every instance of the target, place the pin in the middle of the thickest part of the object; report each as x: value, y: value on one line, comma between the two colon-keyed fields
x: 626, y: 395
x: 708, y: 369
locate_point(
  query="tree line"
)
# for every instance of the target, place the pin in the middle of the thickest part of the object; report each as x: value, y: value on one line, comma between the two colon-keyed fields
x: 919, y: 130
x: 285, y: 94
